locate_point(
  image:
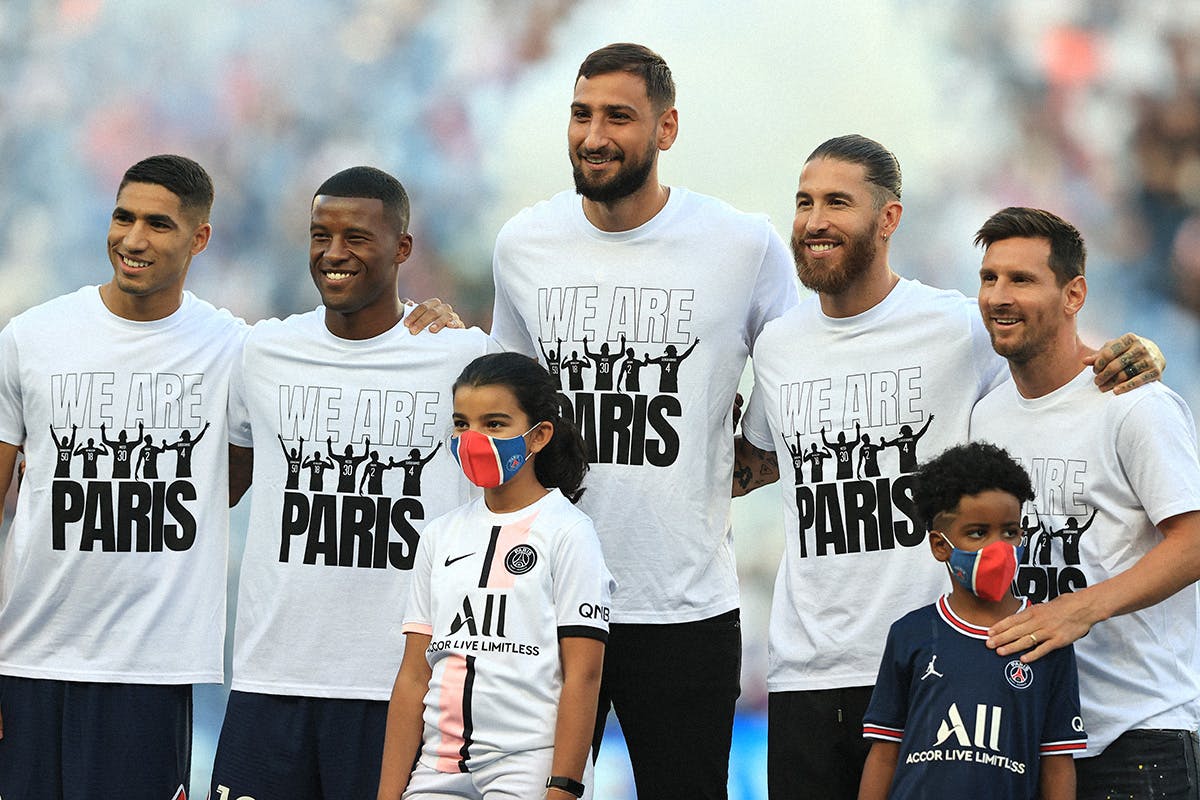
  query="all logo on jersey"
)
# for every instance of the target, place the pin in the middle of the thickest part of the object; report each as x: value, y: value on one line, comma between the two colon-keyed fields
x: 853, y: 479
x: 352, y: 510
x: 971, y: 734
x: 621, y: 367
x: 520, y: 559
x: 123, y: 470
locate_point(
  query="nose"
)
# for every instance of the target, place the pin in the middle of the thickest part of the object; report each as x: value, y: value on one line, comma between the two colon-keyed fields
x: 336, y: 250
x: 135, y: 239
x: 809, y: 220
x: 596, y: 137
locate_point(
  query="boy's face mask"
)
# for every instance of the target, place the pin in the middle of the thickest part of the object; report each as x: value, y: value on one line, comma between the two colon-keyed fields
x: 987, y: 573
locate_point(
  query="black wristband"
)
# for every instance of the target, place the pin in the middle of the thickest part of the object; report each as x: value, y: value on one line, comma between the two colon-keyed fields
x: 568, y: 785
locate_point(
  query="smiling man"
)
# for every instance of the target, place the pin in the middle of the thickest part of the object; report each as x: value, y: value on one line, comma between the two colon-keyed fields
x: 873, y: 355
x: 325, y: 574
x: 114, y: 587
x: 627, y: 265
x: 1118, y: 478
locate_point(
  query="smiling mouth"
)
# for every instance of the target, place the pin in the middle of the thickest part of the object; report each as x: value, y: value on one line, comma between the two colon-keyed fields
x: 338, y: 276
x: 132, y: 263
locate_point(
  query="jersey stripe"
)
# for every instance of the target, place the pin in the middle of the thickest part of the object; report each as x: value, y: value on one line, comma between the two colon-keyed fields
x: 451, y: 704
x: 1069, y: 746
x: 880, y: 732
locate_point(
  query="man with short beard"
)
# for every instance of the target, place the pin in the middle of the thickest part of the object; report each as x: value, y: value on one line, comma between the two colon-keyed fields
x: 870, y: 353
x: 643, y: 267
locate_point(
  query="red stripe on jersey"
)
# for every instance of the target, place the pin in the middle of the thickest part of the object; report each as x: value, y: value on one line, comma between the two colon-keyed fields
x: 1074, y: 746
x: 961, y: 625
x: 879, y: 732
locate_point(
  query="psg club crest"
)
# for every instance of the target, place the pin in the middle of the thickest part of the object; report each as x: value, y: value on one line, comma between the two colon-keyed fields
x: 1019, y: 675
x: 514, y: 463
x: 520, y: 559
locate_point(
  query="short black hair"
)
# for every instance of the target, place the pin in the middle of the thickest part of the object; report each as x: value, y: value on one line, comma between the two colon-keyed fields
x: 1068, y: 253
x: 881, y: 165
x: 637, y: 60
x: 371, y: 183
x: 965, y: 470
x: 179, y: 175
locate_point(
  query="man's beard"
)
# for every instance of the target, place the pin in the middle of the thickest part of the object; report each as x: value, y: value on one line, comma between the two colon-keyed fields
x: 629, y: 178
x: 857, y: 255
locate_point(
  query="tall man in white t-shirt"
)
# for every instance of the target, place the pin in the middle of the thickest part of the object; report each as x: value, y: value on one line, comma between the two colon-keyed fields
x: 634, y: 267
x: 873, y: 355
x: 325, y: 574
x: 1117, y: 482
x: 113, y: 588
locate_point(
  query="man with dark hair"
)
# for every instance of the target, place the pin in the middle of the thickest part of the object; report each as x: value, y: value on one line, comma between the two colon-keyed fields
x: 883, y: 356
x: 325, y: 574
x: 114, y: 587
x: 1128, y: 466
x: 633, y: 263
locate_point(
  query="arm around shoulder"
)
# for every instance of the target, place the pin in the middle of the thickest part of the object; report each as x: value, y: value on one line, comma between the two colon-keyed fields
x: 752, y: 467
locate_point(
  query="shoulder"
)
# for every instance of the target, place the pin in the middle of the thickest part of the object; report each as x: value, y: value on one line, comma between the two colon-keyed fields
x: 720, y: 217
x: 270, y: 330
x: 551, y: 211
x: 52, y: 311
x: 215, y: 318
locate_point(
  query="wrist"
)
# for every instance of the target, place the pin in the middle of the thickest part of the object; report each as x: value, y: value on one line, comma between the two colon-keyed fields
x: 564, y: 786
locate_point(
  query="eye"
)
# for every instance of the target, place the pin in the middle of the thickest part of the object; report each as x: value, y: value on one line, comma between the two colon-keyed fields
x: 319, y: 237
x: 803, y: 202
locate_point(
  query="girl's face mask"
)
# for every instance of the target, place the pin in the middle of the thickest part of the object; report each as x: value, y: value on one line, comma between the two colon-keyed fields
x: 987, y: 573
x: 489, y: 461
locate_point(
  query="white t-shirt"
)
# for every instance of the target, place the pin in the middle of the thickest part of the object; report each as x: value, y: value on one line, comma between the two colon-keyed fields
x: 114, y: 568
x: 862, y: 399
x: 687, y: 293
x: 1106, y: 470
x: 496, y: 592
x: 331, y: 544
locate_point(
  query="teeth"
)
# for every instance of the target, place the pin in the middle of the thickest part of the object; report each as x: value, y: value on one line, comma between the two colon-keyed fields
x: 821, y: 248
x: 338, y: 276
x: 598, y: 159
x: 130, y: 262
x: 1006, y: 321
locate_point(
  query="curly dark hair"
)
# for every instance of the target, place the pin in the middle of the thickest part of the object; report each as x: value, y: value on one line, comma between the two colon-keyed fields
x: 963, y: 470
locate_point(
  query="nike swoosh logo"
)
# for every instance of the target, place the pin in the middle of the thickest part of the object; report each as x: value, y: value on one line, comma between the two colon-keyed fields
x: 450, y: 561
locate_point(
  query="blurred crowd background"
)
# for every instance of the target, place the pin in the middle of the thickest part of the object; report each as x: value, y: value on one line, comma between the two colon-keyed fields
x: 1090, y: 109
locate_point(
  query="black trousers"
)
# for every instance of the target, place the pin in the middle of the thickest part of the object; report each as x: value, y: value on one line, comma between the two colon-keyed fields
x: 815, y: 745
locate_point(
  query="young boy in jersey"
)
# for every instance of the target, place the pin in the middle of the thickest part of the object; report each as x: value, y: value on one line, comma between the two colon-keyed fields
x: 948, y: 716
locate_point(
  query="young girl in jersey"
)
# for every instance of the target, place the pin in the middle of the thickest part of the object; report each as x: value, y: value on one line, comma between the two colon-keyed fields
x: 508, y: 613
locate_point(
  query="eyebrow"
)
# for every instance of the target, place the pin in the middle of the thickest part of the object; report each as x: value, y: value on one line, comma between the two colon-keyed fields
x: 837, y: 194
x: 609, y: 108
x: 165, y: 218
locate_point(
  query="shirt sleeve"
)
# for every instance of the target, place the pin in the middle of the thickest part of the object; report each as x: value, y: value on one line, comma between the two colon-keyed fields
x: 1063, y: 732
x: 12, y: 415
x: 418, y: 615
x: 508, y: 329
x: 775, y: 289
x: 755, y: 427
x: 1156, y: 444
x: 583, y: 586
x: 887, y: 712
x: 240, y: 432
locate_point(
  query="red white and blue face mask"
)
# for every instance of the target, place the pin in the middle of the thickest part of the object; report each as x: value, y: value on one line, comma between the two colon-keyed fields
x: 988, y: 572
x: 488, y: 461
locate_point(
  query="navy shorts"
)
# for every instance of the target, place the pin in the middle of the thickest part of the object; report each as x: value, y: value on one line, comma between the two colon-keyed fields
x: 71, y: 739
x: 279, y: 747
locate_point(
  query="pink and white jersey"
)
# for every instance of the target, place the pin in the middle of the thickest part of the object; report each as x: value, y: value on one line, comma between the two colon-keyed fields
x: 496, y: 592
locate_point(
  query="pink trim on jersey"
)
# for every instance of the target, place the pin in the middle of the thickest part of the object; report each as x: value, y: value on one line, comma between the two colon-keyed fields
x: 510, y: 536
x: 451, y: 726
x: 417, y: 627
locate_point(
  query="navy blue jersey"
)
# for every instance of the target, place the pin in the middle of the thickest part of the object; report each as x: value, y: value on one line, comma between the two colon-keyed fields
x: 969, y: 720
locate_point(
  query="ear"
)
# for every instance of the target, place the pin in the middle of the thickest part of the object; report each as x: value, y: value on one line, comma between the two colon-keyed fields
x: 540, y: 436
x: 940, y: 548
x: 889, y: 218
x: 1074, y: 295
x: 200, y: 238
x: 668, y: 128
x: 403, y: 248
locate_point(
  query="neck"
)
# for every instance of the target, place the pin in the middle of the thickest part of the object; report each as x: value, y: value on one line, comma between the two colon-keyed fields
x: 365, y: 323
x: 863, y: 295
x: 978, y: 611
x: 630, y: 211
x: 1051, y: 369
x: 140, y: 308
x: 521, y: 491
